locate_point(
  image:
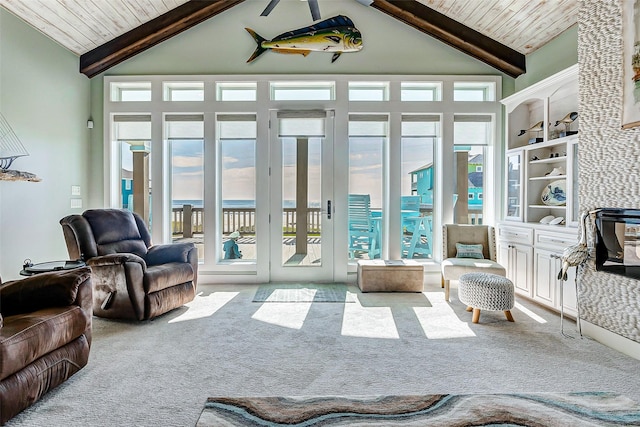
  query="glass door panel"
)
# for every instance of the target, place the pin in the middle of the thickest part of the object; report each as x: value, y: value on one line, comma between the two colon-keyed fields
x: 514, y: 185
x: 301, y: 182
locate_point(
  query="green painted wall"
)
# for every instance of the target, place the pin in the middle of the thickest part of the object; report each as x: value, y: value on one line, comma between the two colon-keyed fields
x: 46, y: 102
x: 222, y: 46
x: 555, y: 56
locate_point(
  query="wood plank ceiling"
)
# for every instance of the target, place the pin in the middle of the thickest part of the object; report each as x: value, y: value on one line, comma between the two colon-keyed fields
x: 523, y: 26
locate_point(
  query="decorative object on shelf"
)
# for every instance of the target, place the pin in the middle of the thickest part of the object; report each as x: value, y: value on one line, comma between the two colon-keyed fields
x: 556, y: 221
x: 10, y: 149
x: 12, y: 175
x: 559, y: 171
x: 335, y: 35
x: 10, y: 146
x: 547, y: 219
x: 567, y: 120
x: 555, y: 194
x: 538, y: 127
x: 631, y: 67
x: 313, y: 6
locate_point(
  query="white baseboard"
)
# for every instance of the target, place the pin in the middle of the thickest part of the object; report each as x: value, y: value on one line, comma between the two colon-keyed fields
x: 610, y: 339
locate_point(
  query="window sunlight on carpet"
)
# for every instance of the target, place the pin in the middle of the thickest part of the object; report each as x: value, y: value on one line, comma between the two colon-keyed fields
x: 285, y: 314
x: 205, y: 306
x: 439, y: 321
x: 530, y: 313
x: 368, y: 322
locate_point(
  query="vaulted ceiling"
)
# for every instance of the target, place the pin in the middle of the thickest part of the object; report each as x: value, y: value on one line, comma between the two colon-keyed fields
x: 105, y: 32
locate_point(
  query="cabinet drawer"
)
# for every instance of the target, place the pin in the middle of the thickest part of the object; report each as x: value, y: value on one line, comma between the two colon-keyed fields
x: 557, y: 241
x: 516, y: 234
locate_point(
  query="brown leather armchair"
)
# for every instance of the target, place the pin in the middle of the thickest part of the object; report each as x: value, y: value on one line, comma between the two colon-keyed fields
x: 45, y: 335
x: 131, y: 278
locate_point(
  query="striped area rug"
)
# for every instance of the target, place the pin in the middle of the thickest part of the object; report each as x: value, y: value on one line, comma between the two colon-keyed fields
x: 446, y: 410
x: 308, y: 292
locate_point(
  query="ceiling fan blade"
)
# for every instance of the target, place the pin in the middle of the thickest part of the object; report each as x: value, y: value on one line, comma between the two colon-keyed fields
x: 315, y: 9
x: 267, y: 10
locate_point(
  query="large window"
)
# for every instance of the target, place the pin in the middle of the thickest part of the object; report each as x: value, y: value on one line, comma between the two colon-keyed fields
x: 420, y: 135
x: 402, y: 155
x: 185, y: 134
x: 472, y: 135
x: 237, y: 204
x: 132, y: 134
x: 367, y: 137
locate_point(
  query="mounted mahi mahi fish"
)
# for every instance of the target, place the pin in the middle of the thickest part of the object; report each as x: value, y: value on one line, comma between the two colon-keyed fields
x: 337, y: 35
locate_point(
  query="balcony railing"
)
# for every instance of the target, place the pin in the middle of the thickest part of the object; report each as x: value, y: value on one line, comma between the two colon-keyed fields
x: 188, y: 221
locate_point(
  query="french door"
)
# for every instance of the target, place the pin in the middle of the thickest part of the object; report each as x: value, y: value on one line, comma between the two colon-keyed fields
x: 301, y: 196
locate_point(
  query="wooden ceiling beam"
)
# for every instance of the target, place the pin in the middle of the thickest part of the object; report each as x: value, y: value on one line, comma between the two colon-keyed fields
x: 150, y: 34
x: 453, y: 33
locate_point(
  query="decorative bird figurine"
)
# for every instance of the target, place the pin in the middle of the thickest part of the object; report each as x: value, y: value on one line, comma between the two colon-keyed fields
x: 569, y: 118
x: 538, y: 127
x: 575, y: 255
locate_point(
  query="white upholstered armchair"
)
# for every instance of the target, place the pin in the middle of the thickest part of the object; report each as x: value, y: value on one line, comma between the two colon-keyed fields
x: 475, y: 252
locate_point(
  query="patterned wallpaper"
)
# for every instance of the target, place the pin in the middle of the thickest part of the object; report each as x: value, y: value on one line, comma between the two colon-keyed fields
x: 609, y: 166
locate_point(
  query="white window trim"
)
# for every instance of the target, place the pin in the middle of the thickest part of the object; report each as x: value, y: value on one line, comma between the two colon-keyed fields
x: 394, y: 107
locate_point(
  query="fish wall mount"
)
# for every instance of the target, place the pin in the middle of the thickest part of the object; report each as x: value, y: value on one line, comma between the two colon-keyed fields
x: 336, y: 35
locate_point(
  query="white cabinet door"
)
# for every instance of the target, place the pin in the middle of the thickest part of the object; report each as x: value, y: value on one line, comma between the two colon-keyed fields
x: 546, y: 277
x: 522, y: 257
x: 517, y: 260
x: 547, y: 285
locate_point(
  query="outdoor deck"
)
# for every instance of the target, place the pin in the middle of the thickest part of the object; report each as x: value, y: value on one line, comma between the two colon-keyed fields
x: 188, y: 225
x: 247, y: 246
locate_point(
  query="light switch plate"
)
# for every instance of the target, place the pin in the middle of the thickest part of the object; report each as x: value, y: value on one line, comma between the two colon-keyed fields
x: 76, y: 203
x: 75, y: 190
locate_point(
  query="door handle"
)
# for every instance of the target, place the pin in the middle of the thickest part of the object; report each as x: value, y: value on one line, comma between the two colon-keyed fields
x: 328, y: 209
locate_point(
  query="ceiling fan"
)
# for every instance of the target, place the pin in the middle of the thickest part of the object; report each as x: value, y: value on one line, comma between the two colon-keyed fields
x: 313, y: 6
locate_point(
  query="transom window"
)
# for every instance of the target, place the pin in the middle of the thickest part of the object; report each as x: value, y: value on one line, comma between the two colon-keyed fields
x: 302, y: 91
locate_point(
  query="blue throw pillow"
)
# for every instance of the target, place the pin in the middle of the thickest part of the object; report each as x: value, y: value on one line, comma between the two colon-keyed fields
x: 469, y: 251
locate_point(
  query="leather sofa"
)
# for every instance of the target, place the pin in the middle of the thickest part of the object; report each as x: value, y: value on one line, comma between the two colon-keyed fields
x: 45, y: 335
x: 132, y: 279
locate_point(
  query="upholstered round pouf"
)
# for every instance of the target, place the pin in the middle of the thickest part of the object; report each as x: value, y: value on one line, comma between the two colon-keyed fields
x: 485, y: 291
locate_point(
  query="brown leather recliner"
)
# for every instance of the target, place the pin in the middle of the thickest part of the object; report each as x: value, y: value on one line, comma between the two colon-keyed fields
x: 131, y: 278
x: 45, y: 335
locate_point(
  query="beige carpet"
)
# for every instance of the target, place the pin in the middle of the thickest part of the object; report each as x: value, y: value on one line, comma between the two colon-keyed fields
x: 160, y: 373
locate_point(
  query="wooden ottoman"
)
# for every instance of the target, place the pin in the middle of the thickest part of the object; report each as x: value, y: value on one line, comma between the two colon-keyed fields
x: 390, y: 276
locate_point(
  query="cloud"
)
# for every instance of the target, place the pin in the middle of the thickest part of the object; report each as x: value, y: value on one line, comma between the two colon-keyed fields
x: 187, y: 161
x: 197, y: 174
x: 354, y: 169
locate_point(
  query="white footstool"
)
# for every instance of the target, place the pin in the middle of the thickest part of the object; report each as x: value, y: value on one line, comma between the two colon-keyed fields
x: 485, y: 291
